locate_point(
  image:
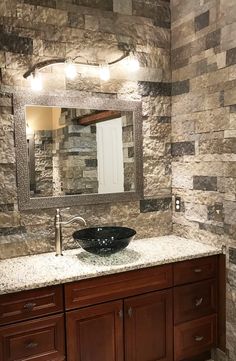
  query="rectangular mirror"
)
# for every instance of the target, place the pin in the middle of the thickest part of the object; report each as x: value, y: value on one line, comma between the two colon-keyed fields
x: 74, y: 150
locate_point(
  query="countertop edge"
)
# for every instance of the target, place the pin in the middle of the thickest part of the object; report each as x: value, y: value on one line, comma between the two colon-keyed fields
x: 126, y: 268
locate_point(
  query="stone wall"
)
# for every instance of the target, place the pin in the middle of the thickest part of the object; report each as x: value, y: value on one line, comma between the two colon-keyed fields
x: 41, y: 169
x: 75, y: 148
x: 128, y: 151
x: 204, y: 130
x: 34, y: 30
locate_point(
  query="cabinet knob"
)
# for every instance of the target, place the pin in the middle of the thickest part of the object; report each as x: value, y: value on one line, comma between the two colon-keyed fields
x: 29, y: 306
x: 31, y: 345
x: 198, y: 301
x: 198, y: 338
x: 130, y: 312
x: 120, y: 313
x: 197, y: 270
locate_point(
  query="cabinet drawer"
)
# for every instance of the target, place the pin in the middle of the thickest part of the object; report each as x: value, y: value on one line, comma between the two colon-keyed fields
x: 195, y: 270
x: 37, y: 340
x: 195, y: 337
x: 29, y: 304
x: 107, y: 288
x: 194, y: 301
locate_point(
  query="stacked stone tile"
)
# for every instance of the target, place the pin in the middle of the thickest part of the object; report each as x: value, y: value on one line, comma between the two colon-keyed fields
x: 32, y: 31
x: 204, y: 130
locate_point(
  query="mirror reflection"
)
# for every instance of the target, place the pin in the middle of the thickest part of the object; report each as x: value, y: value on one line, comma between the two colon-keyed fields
x: 79, y: 151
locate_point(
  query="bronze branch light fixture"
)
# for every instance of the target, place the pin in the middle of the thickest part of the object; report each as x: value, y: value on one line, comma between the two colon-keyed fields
x: 71, y: 71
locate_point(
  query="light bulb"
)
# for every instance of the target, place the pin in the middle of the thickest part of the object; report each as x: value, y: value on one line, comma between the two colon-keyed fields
x: 104, y: 72
x: 133, y: 63
x: 36, y: 82
x: 70, y: 70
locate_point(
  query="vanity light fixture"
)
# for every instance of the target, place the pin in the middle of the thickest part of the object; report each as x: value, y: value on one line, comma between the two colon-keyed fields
x: 133, y: 63
x: 104, y: 72
x: 36, y: 81
x: 70, y: 67
x: 70, y: 70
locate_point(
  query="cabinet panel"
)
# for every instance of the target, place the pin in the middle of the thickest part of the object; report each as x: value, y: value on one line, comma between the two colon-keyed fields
x: 95, y: 333
x: 148, y: 327
x: 193, y: 338
x: 29, y: 304
x: 40, y: 340
x: 195, y: 301
x: 195, y: 270
x: 107, y: 288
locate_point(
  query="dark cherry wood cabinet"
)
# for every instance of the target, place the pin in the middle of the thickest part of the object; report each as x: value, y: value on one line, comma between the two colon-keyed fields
x: 195, y: 337
x: 35, y: 340
x: 173, y: 312
x: 31, y: 304
x: 107, y: 288
x: 148, y: 327
x: 95, y: 333
x: 195, y: 300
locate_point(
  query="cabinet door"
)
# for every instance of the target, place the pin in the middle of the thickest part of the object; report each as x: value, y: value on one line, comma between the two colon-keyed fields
x: 148, y: 327
x: 95, y: 333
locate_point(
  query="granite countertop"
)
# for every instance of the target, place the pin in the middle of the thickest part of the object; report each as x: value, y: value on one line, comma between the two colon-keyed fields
x: 46, y: 269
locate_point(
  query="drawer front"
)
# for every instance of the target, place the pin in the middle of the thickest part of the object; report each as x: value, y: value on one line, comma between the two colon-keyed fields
x: 194, y: 301
x: 107, y: 288
x: 41, y: 340
x: 195, y: 337
x: 195, y: 270
x: 29, y: 304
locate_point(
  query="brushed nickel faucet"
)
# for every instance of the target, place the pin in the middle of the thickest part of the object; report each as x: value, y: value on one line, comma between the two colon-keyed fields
x: 58, y: 233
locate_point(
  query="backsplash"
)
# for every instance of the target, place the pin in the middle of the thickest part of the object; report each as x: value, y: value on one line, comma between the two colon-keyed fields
x: 204, y: 130
x: 31, y: 33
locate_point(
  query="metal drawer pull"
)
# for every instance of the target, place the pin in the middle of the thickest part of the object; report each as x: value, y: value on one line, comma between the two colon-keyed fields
x: 32, y: 345
x: 198, y: 270
x: 120, y: 313
x: 198, y: 338
x: 29, y: 306
x: 130, y: 312
x: 198, y: 301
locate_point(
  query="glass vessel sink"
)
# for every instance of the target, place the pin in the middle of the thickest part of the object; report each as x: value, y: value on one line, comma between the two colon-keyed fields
x: 104, y: 241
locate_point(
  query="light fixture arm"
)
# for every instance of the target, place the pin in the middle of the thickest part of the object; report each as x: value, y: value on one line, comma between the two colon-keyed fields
x: 49, y: 62
x: 43, y: 64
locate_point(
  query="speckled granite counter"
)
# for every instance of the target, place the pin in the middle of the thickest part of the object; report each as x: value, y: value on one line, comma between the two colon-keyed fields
x: 42, y: 270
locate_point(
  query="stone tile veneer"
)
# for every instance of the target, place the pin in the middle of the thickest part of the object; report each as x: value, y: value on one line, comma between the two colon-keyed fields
x: 32, y: 31
x: 204, y: 131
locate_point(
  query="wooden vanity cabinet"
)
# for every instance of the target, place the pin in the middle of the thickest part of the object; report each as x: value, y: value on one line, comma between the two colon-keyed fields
x: 195, y: 301
x: 173, y: 312
x: 148, y: 327
x: 32, y: 325
x: 96, y: 333
x: 135, y: 328
x: 34, y: 340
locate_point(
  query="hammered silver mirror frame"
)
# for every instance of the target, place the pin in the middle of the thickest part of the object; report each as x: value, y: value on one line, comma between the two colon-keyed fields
x: 72, y: 100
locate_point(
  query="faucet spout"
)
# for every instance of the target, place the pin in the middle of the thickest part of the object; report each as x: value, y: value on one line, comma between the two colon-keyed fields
x: 58, y: 232
x: 74, y: 219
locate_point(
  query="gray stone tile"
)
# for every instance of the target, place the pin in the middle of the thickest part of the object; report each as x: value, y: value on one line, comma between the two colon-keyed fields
x: 182, y: 148
x: 8, y: 231
x: 154, y: 205
x: 213, y: 39
x: 232, y: 255
x: 15, y: 44
x: 180, y: 87
x: 154, y: 89
x: 205, y: 183
x: 201, y: 21
x: 231, y: 57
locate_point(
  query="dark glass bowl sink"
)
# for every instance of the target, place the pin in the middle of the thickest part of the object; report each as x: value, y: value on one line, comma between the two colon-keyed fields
x: 104, y: 241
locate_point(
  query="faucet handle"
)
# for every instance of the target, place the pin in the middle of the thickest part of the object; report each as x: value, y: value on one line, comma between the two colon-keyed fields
x: 58, y: 210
